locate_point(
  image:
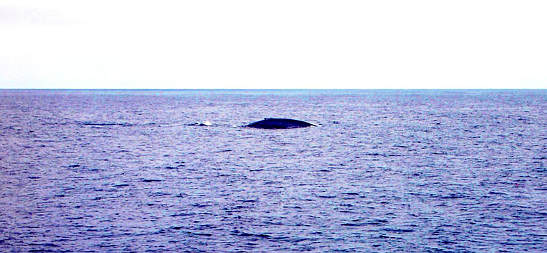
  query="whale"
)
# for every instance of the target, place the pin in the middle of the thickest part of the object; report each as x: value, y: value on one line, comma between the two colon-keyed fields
x: 279, y: 123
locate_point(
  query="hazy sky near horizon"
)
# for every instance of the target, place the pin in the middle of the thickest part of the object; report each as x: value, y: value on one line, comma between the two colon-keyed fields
x: 273, y: 44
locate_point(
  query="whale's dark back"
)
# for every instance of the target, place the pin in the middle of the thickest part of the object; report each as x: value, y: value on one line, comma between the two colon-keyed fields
x: 279, y: 123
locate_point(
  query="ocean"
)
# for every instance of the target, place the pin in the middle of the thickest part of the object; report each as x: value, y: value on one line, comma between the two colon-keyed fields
x: 383, y: 171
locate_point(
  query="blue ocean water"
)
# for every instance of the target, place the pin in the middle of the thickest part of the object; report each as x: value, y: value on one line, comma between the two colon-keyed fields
x: 385, y: 171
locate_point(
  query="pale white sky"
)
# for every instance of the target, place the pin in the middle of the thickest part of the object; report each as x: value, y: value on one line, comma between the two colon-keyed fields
x: 273, y: 44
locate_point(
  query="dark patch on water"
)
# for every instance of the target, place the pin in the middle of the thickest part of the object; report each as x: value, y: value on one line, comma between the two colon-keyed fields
x: 123, y: 124
x: 149, y: 180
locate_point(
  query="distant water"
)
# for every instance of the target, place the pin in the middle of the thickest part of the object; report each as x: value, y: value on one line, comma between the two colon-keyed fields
x: 386, y: 171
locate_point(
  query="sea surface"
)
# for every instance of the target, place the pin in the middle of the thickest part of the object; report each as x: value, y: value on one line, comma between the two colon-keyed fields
x: 384, y: 171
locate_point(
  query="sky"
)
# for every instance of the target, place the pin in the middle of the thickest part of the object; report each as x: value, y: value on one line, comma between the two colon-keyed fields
x: 255, y: 44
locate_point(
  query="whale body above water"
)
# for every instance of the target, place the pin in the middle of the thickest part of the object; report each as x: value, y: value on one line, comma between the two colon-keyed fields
x: 279, y: 123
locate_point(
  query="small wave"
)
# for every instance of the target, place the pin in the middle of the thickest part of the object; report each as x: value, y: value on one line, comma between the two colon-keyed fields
x: 199, y: 233
x: 149, y: 180
x: 257, y: 235
x: 118, y: 185
x: 351, y: 193
x: 453, y: 196
x: 47, y: 244
x: 324, y: 170
x: 372, y: 222
x: 175, y: 167
x: 399, y: 230
x: 182, y: 214
x: 204, y: 123
x: 106, y: 124
x: 159, y: 194
x: 248, y: 200
x: 198, y: 205
x: 325, y: 196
